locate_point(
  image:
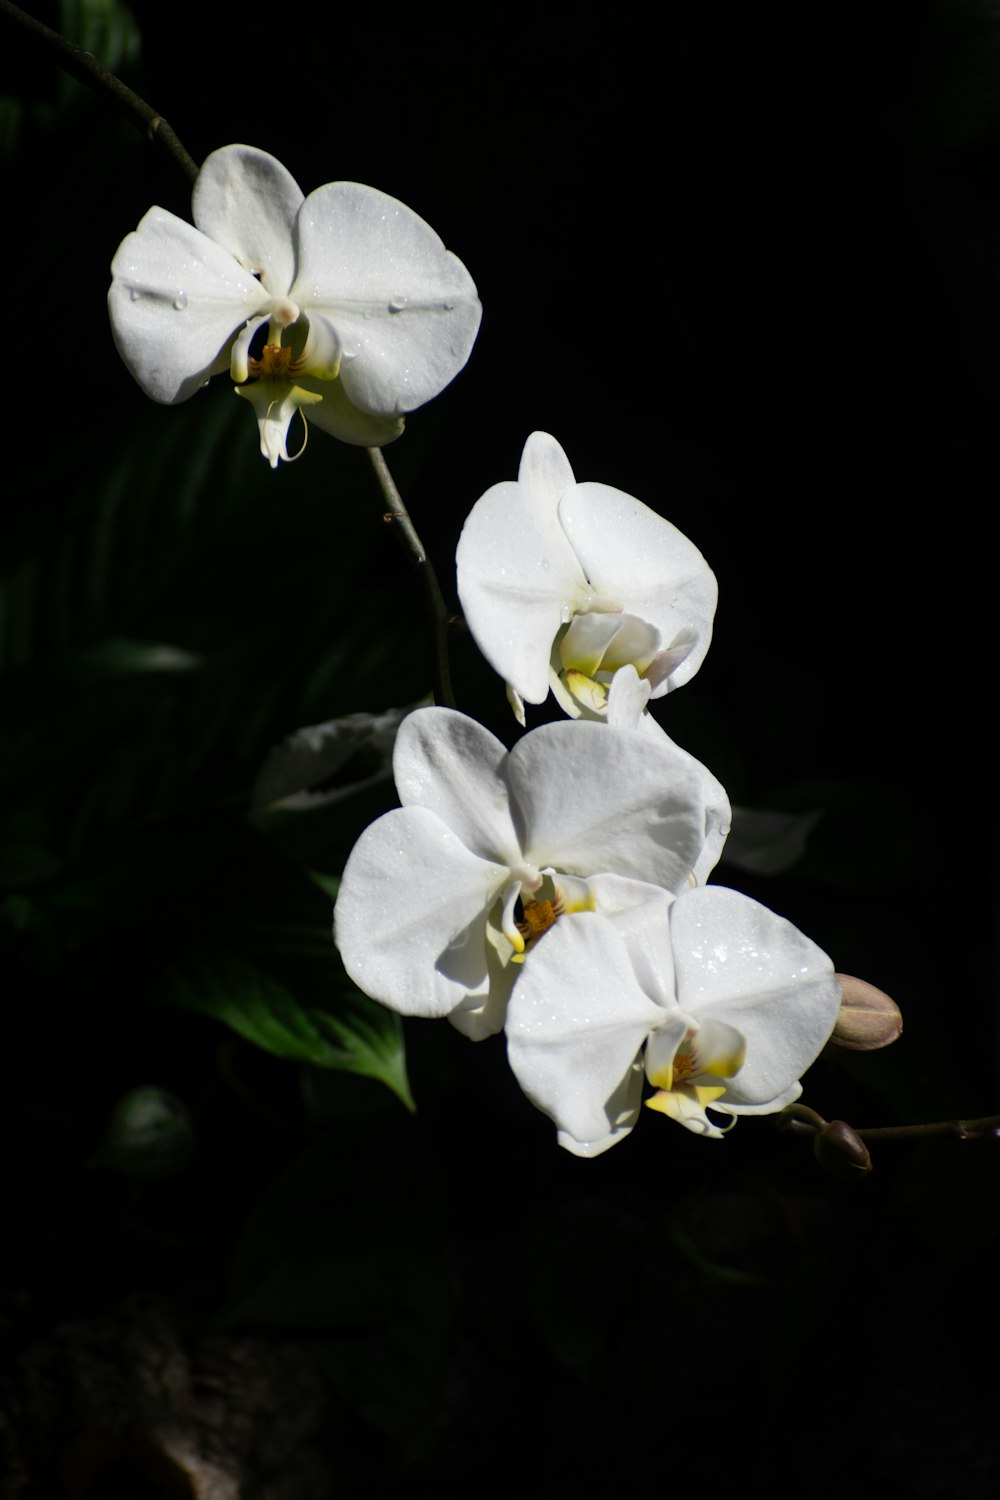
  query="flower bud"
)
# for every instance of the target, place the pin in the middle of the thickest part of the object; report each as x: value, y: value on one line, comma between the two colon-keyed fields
x: 868, y: 1018
x: 840, y: 1150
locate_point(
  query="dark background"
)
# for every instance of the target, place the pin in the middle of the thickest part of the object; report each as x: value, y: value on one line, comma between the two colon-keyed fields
x: 747, y: 270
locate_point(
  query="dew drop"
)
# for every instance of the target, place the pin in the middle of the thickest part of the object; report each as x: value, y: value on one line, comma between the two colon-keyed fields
x: 396, y: 304
x: 134, y: 294
x: 181, y: 301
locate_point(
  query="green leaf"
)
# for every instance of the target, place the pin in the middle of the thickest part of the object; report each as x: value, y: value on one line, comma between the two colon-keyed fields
x: 360, y: 1037
x: 368, y: 1040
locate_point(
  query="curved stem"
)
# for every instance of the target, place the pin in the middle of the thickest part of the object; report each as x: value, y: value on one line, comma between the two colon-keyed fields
x: 84, y: 66
x: 397, y: 516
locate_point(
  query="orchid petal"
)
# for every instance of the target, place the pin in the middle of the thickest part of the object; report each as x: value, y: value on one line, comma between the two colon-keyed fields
x: 247, y: 202
x: 322, y: 355
x: 342, y: 420
x: 545, y: 472
x: 589, y: 799
x: 175, y: 302
x: 640, y: 914
x: 404, y: 307
x: 718, y: 1048
x: 575, y: 1023
x: 410, y: 919
x: 519, y: 580
x: 629, y: 551
x: 587, y: 639
x: 239, y: 356
x: 622, y: 1109
x: 740, y: 963
x: 661, y: 1049
x: 633, y: 642
x: 448, y: 763
x: 628, y: 696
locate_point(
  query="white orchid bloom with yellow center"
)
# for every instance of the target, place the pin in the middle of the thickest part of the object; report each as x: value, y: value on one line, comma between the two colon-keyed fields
x: 717, y: 1002
x: 563, y: 584
x: 446, y: 901
x: 345, y: 304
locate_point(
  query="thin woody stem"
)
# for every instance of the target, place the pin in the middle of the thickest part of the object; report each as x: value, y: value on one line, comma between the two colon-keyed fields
x: 801, y: 1120
x: 398, y: 518
x: 962, y: 1130
x: 84, y: 66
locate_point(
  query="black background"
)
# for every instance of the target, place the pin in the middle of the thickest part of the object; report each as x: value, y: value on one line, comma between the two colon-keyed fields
x: 746, y: 268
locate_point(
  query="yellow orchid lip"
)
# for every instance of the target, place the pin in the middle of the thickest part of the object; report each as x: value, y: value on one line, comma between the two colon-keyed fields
x: 695, y: 1075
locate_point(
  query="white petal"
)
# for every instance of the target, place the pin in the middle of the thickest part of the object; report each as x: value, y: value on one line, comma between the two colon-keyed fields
x: 404, y: 307
x: 718, y: 821
x: 588, y: 799
x: 622, y: 1108
x: 342, y: 420
x: 518, y: 580
x: 640, y: 914
x: 740, y: 963
x: 628, y: 696
x: 239, y: 359
x: 176, y: 300
x: 630, y: 553
x: 247, y: 202
x: 448, y: 763
x: 718, y: 1048
x: 587, y: 639
x: 410, y: 919
x: 575, y: 1023
x: 661, y: 1049
x: 545, y: 472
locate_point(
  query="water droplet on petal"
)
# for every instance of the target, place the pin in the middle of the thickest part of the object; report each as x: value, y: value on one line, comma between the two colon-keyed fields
x: 181, y: 301
x: 134, y: 294
x: 396, y: 304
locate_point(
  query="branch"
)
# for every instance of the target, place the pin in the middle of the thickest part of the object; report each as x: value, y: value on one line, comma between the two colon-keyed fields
x: 398, y: 518
x: 84, y: 66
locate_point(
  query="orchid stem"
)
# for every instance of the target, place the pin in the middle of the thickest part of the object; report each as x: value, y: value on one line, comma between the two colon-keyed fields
x: 801, y: 1120
x: 398, y: 518
x: 84, y: 66
x: 963, y: 1130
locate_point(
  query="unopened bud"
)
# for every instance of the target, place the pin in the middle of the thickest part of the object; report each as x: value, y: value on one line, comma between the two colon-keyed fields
x: 868, y: 1018
x: 840, y: 1150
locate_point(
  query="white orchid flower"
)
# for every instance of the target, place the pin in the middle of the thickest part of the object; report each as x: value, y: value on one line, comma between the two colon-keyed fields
x: 562, y: 584
x: 443, y: 899
x: 344, y: 304
x: 719, y: 1003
